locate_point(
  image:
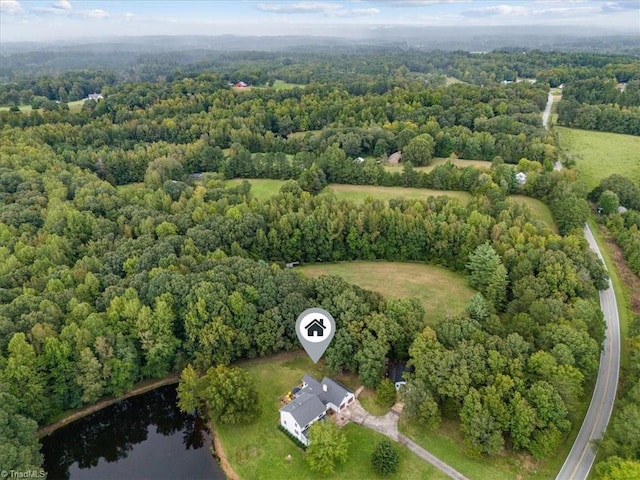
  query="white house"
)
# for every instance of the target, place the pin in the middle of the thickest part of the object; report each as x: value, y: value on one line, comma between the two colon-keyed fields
x: 95, y: 96
x: 521, y: 178
x: 311, y: 404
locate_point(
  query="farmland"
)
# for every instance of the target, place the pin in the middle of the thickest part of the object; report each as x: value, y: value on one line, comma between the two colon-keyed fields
x: 600, y: 154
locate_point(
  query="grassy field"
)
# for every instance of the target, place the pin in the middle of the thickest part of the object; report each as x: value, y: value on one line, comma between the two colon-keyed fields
x: 259, y: 450
x: 265, y: 188
x: 600, y: 154
x: 262, y: 188
x: 441, y: 161
x: 282, y: 85
x: 23, y: 108
x: 359, y: 193
x: 441, y: 291
x: 539, y: 209
x: 446, y: 444
x: 74, y: 107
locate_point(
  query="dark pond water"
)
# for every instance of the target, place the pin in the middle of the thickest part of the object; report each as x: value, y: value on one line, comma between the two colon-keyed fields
x: 145, y: 437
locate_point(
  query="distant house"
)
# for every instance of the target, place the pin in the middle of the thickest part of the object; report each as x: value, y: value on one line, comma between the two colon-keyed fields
x: 241, y: 84
x: 396, y: 372
x: 95, y: 96
x: 311, y: 403
x: 395, y: 158
x: 359, y: 160
x: 622, y: 209
x: 291, y: 264
x: 521, y: 178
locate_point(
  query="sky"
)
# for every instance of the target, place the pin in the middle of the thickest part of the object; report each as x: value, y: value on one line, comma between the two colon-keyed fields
x: 59, y: 20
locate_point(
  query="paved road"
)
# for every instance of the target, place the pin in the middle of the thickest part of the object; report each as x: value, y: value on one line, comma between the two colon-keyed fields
x: 388, y: 425
x: 583, y: 452
x: 547, y: 111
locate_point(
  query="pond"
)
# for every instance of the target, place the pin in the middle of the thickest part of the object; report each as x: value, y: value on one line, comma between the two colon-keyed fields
x: 144, y: 437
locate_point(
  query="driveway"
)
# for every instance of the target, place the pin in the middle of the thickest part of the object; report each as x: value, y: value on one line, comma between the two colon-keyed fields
x: 388, y: 425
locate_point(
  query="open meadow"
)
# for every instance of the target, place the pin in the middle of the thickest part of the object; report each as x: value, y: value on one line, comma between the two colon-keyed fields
x: 259, y: 450
x: 262, y: 189
x: 600, y: 154
x: 441, y: 291
x: 458, y: 162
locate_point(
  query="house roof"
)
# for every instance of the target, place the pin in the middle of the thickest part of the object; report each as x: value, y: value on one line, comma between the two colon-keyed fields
x: 312, y: 400
x: 304, y: 408
x: 335, y: 391
x: 397, y: 370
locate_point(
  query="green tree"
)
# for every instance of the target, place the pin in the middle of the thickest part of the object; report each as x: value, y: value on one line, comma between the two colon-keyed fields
x: 328, y: 446
x: 230, y: 395
x: 189, y: 390
x: 386, y: 393
x: 488, y: 274
x: 608, y: 202
x: 24, y: 380
x: 19, y: 447
x: 616, y: 468
x: 419, y: 150
x: 385, y: 458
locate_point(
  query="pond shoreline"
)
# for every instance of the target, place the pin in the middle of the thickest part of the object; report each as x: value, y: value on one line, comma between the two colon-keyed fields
x: 88, y: 410
x: 216, y: 447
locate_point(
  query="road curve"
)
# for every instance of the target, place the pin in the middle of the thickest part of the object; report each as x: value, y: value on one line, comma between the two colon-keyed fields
x: 583, y: 452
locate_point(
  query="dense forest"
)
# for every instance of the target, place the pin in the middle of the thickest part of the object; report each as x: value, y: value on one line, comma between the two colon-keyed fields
x: 125, y: 256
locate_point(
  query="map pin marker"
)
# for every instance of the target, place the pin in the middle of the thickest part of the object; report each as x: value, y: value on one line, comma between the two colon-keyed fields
x: 315, y: 328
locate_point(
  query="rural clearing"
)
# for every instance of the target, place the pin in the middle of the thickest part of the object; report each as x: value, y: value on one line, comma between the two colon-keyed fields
x: 442, y: 292
x: 600, y: 154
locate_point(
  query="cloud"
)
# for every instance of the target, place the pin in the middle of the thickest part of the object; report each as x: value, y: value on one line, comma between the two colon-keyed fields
x: 416, y: 3
x: 356, y: 12
x: 12, y: 7
x: 623, y: 5
x: 317, y: 8
x: 62, y: 5
x: 496, y: 10
x: 300, y: 7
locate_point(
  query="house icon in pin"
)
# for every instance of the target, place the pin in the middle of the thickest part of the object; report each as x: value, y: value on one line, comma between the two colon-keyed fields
x: 315, y: 328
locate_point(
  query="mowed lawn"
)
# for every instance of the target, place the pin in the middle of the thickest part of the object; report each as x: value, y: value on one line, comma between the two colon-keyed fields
x: 282, y: 85
x: 74, y: 107
x: 259, y: 450
x: 600, y: 154
x: 263, y: 189
x: 359, y: 193
x: 539, y: 209
x: 442, y: 292
x: 441, y: 161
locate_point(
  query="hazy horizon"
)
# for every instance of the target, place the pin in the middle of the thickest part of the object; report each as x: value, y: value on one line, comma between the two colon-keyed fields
x: 67, y: 21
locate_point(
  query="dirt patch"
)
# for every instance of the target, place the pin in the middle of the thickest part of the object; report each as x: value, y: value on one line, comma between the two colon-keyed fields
x: 220, y: 454
x: 83, y: 412
x: 629, y: 279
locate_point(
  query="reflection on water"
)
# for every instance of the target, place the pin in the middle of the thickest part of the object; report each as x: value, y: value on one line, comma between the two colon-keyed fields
x: 138, y: 438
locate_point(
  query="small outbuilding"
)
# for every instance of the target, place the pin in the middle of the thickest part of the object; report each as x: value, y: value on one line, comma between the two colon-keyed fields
x: 395, y: 158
